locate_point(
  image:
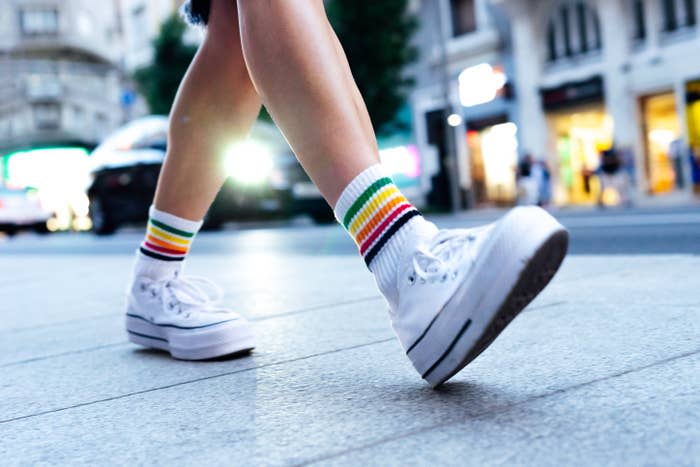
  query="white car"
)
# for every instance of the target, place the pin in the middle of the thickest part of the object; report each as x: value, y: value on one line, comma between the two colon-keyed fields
x: 21, y: 209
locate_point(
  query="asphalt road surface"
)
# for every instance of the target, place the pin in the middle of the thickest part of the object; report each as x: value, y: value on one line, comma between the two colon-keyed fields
x: 637, y: 231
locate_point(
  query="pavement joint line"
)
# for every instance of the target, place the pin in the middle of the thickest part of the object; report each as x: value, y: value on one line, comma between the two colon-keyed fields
x: 125, y: 343
x: 196, y: 380
x: 63, y: 354
x: 264, y: 318
x: 261, y: 318
x: 498, y: 411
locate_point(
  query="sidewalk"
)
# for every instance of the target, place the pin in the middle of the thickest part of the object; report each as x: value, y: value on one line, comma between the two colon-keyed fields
x: 603, y: 368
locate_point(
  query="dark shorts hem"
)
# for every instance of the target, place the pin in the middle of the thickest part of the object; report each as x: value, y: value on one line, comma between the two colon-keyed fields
x: 196, y: 12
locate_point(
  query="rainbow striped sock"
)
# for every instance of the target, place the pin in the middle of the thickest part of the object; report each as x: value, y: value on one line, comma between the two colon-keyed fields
x: 375, y: 213
x: 168, y: 237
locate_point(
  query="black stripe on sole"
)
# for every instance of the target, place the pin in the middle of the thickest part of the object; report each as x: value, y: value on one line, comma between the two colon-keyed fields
x: 147, y: 336
x: 420, y: 338
x: 174, y: 326
x: 449, y: 349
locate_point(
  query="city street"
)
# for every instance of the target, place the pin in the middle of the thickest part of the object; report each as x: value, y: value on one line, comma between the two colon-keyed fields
x: 601, y: 369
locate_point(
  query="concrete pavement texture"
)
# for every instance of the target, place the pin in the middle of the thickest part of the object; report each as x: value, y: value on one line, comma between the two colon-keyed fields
x: 603, y: 368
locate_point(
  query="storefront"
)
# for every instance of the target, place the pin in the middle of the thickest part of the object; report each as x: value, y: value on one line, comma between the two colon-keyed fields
x: 664, y: 150
x: 693, y: 115
x: 493, y: 151
x: 579, y: 130
x: 491, y: 136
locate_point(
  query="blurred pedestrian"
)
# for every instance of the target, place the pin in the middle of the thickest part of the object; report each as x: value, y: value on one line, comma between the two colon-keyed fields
x: 677, y: 152
x: 450, y: 292
x: 612, y: 176
x: 528, y: 189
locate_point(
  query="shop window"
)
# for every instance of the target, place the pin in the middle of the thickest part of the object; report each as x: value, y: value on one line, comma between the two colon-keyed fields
x: 39, y: 22
x: 463, y: 17
x: 574, y: 29
x: 678, y: 14
x: 639, y: 15
x: 47, y: 116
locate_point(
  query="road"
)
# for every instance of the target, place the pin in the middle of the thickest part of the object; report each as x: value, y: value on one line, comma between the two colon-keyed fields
x: 667, y: 231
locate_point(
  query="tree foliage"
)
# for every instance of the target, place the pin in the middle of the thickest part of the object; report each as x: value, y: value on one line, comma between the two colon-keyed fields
x: 376, y: 36
x: 158, y: 82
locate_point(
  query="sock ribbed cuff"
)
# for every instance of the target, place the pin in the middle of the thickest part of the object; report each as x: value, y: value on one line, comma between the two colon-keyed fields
x: 168, y: 237
x: 374, y: 212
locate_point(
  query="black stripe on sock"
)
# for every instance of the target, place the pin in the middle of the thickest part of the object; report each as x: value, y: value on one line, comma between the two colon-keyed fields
x: 153, y: 255
x: 374, y: 251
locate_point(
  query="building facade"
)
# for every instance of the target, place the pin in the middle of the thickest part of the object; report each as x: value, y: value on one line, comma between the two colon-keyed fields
x: 463, y: 103
x: 597, y: 74
x: 60, y: 74
x: 140, y: 23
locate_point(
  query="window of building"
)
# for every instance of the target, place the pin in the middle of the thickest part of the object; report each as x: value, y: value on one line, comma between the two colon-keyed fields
x: 463, y: 17
x: 678, y: 14
x: 639, y: 16
x: 39, y: 21
x: 139, y: 26
x: 574, y: 29
x: 47, y: 116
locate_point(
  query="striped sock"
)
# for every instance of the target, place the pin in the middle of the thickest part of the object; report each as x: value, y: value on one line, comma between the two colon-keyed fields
x: 168, y: 239
x: 380, y: 220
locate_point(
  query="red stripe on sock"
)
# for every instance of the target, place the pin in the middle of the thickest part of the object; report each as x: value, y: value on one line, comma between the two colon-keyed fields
x: 365, y: 246
x: 160, y: 249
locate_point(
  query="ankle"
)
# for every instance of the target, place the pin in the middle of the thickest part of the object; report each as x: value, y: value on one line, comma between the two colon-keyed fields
x: 387, y: 265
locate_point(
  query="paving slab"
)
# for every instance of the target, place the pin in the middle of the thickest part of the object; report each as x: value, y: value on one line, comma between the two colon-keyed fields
x: 593, y: 360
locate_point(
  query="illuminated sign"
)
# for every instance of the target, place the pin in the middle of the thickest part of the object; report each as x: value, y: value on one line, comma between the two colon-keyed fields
x: 481, y: 84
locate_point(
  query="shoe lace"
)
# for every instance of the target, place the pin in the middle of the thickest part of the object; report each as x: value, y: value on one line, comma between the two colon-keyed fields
x: 184, y: 294
x: 438, y: 260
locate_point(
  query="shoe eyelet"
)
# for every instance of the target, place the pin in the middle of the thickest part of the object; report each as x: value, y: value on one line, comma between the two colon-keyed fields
x: 411, y: 280
x: 142, y: 287
x: 444, y: 278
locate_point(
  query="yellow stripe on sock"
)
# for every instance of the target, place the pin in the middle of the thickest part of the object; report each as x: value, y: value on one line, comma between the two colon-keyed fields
x: 371, y: 207
x: 163, y: 235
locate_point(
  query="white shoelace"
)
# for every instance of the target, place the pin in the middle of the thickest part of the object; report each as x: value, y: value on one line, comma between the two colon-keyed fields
x: 440, y: 259
x: 184, y: 294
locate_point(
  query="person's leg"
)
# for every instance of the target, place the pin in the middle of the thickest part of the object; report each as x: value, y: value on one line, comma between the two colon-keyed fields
x: 313, y: 104
x: 451, y: 292
x: 215, y: 105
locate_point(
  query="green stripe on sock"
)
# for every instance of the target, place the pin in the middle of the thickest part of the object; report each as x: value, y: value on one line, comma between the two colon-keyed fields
x: 359, y: 202
x: 172, y: 230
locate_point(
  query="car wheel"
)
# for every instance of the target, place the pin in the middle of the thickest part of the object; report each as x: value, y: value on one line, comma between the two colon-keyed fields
x: 41, y: 228
x: 323, y: 215
x: 212, y: 224
x: 101, y: 223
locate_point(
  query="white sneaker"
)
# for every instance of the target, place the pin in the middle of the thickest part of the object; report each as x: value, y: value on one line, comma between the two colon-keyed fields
x: 458, y: 290
x: 180, y: 315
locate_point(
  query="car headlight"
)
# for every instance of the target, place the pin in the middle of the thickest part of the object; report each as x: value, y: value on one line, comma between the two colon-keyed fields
x: 249, y: 162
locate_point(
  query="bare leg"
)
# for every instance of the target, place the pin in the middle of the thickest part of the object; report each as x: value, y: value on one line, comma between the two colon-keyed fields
x: 216, y: 104
x: 305, y: 82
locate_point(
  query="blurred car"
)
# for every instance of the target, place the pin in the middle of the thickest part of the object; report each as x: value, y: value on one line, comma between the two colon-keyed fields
x: 21, y: 209
x: 265, y: 179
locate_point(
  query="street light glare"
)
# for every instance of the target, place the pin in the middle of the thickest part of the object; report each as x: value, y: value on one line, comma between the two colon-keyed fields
x: 454, y: 120
x: 249, y: 162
